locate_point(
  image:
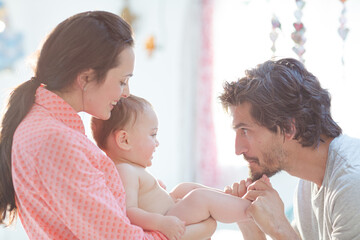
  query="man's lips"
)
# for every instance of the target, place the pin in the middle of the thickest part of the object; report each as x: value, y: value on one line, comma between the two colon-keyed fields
x: 251, y: 160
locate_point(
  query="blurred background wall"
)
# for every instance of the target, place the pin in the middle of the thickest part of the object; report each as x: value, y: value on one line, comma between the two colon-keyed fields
x: 185, y: 50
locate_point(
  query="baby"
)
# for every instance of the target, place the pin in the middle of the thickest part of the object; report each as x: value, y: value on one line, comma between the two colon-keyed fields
x: 129, y: 139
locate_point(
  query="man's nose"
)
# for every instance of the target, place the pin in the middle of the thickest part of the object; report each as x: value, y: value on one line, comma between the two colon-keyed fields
x: 240, y: 146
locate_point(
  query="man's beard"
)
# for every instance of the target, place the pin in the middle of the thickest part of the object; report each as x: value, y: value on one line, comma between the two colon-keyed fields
x: 255, y: 175
x: 269, y: 167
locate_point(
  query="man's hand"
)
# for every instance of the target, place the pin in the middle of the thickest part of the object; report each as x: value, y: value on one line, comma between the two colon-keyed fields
x: 267, y: 210
x: 238, y: 189
x: 248, y: 228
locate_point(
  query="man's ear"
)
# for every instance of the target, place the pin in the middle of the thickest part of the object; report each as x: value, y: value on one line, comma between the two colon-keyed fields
x: 84, y: 77
x: 290, y: 133
x: 122, y: 141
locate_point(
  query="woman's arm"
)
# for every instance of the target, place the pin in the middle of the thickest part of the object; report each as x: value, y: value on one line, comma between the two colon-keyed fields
x: 88, y: 200
x: 172, y: 227
x: 200, y: 231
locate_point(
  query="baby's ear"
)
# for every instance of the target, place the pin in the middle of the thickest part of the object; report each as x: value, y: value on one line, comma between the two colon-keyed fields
x: 121, y: 138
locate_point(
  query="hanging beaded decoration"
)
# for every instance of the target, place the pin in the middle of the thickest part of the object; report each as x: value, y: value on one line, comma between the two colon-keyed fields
x: 343, y: 30
x: 276, y: 27
x: 298, y: 35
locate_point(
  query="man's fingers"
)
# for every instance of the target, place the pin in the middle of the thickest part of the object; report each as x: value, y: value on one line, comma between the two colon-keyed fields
x: 266, y: 180
x: 252, y: 195
x: 259, y: 185
x: 235, y: 187
x: 242, y: 188
x: 248, y: 182
x: 238, y: 188
x: 228, y: 190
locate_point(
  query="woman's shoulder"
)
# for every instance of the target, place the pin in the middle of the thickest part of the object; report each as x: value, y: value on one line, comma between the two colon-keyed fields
x: 41, y: 123
x: 40, y: 129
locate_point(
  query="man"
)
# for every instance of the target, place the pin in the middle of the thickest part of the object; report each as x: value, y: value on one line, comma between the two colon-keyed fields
x: 282, y: 120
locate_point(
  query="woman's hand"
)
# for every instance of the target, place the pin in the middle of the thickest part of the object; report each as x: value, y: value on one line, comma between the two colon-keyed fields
x: 200, y: 231
x: 172, y: 227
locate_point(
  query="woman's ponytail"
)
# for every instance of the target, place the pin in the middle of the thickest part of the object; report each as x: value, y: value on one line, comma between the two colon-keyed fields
x: 19, y: 104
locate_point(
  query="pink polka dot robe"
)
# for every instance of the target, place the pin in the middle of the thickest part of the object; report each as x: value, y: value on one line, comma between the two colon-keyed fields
x: 66, y: 188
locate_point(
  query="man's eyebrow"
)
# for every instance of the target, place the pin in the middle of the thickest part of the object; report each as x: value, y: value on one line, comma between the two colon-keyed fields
x: 239, y: 125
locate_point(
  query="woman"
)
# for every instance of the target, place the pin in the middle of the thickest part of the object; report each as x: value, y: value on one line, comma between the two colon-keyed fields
x: 60, y: 183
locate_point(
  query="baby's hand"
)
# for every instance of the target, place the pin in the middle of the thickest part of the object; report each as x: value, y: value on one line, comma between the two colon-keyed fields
x: 172, y: 227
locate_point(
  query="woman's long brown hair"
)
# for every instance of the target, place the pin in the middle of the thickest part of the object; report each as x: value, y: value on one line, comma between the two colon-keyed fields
x: 88, y: 40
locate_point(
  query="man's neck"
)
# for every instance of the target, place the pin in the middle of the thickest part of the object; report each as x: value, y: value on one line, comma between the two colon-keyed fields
x: 309, y: 163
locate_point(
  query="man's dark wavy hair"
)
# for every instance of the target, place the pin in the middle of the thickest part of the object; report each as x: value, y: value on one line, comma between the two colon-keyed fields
x: 283, y: 92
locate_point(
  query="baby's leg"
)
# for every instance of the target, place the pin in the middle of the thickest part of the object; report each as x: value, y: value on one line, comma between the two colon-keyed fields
x: 202, y: 203
x: 183, y: 189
